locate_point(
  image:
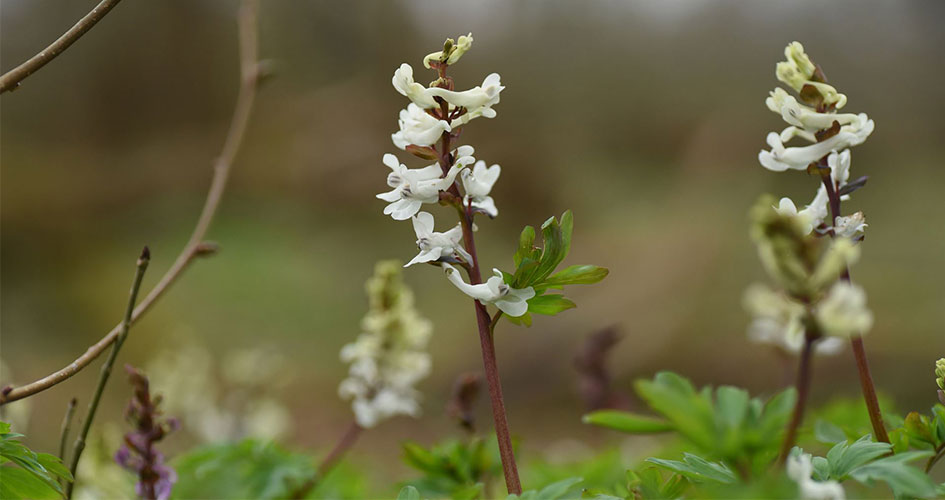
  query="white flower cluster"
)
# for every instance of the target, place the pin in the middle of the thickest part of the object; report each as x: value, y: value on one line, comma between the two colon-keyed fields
x: 436, y: 113
x: 804, y: 123
x: 785, y: 249
x: 390, y: 356
x: 226, y: 398
x: 800, y: 468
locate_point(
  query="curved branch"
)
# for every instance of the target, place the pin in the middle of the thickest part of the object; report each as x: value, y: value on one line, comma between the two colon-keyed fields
x: 249, y: 67
x: 11, y: 79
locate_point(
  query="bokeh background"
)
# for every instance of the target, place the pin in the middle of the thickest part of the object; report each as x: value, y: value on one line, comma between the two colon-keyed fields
x: 644, y: 118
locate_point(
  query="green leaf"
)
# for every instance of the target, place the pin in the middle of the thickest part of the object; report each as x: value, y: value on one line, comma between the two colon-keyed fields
x: 246, y: 469
x: 844, y: 457
x: 576, y: 275
x: 689, y: 412
x: 523, y: 320
x: 627, y: 422
x: 16, y: 483
x: 418, y: 457
x: 697, y: 469
x: 408, y: 493
x: 558, y: 489
x: 549, y: 304
x: 904, y: 480
x: 525, y: 242
x: 825, y: 432
x: 731, y: 406
x: 44, y: 469
x: 524, y: 273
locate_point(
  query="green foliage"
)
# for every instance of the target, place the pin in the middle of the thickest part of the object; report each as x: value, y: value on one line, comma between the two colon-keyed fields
x: 408, y: 493
x: 26, y: 474
x: 535, y: 267
x: 603, y: 472
x: 648, y: 483
x: 697, y: 469
x: 454, y: 469
x: 869, y: 462
x: 246, y: 469
x: 553, y: 491
x: 627, y: 422
x: 724, y: 423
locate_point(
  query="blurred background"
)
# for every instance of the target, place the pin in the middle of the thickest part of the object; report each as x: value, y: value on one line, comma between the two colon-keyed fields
x: 644, y: 118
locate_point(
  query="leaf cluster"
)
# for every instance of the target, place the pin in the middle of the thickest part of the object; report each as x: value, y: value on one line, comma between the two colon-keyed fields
x: 245, y: 469
x: 869, y: 462
x: 27, y: 474
x: 454, y: 469
x: 722, y: 423
x: 535, y: 267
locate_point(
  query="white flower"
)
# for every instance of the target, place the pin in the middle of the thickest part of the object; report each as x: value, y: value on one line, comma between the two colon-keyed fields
x: 389, y: 357
x: 511, y: 301
x: 433, y: 245
x: 479, y: 99
x: 777, y: 320
x: 843, y: 311
x: 800, y: 469
x: 414, y: 187
x: 782, y: 158
x: 460, y: 47
x: 797, y: 72
x: 404, y: 83
x: 478, y: 183
x: 806, y: 117
x: 485, y: 95
x: 839, y: 164
x: 812, y: 215
x: 850, y: 225
x: 418, y: 127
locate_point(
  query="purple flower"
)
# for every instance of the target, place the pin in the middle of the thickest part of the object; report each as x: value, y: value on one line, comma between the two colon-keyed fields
x: 138, y: 454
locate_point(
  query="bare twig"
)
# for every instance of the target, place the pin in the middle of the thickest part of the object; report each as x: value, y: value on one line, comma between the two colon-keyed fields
x: 345, y: 443
x: 249, y: 67
x: 803, y: 389
x: 142, y: 266
x: 11, y: 79
x: 66, y: 424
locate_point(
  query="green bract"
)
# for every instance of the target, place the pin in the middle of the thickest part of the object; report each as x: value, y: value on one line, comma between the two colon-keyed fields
x: 535, y: 267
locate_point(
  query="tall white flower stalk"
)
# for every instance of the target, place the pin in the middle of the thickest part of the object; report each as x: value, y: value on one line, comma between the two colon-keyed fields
x: 429, y: 128
x: 389, y: 357
x: 808, y: 251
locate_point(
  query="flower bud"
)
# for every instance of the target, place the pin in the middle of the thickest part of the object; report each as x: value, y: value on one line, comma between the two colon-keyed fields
x: 940, y: 373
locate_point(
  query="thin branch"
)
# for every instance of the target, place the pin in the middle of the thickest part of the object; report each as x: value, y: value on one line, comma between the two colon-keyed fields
x: 142, y: 266
x: 11, y: 79
x: 64, y: 430
x: 196, y: 246
x: 331, y: 459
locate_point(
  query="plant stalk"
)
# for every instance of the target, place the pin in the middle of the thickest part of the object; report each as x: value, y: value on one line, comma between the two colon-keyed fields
x: 79, y: 446
x: 859, y: 351
x: 803, y: 389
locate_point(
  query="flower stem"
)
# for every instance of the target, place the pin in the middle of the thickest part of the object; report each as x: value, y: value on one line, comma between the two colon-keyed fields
x: 483, y: 321
x: 859, y: 351
x: 331, y: 459
x: 939, y: 453
x: 803, y: 389
x: 142, y: 265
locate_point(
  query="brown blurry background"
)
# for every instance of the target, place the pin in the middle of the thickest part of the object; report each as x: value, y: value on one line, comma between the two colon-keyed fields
x: 643, y: 118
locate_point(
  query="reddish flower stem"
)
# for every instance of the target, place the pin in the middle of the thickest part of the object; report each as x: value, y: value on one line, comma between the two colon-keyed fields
x: 483, y: 321
x: 803, y: 389
x: 859, y: 351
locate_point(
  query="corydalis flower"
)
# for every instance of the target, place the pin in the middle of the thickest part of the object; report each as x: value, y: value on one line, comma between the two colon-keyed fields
x: 418, y: 127
x: 782, y: 158
x: 850, y: 226
x: 451, y: 53
x: 434, y: 246
x: 138, y: 453
x: 815, y: 212
x: 478, y: 184
x: 414, y: 187
x: 389, y: 357
x: 798, y: 71
x: 800, y: 469
x: 843, y: 312
x: 511, y: 301
x: 479, y: 99
x: 778, y: 320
